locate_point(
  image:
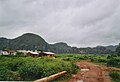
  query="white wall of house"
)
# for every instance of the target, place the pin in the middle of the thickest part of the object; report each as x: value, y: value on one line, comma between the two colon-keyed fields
x: 5, y: 53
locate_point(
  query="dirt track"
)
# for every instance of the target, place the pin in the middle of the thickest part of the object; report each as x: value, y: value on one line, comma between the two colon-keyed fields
x: 91, y: 73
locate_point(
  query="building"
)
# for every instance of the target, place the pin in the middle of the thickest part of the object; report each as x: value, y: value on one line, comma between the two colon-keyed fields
x: 40, y: 54
x: 33, y: 54
x: 48, y: 54
x: 8, y: 52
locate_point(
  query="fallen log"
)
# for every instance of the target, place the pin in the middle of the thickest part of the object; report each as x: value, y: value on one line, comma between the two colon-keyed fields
x: 52, y: 77
x: 113, y: 69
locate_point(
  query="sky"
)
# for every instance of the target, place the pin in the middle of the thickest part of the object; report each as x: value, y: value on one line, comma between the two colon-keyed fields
x: 80, y: 23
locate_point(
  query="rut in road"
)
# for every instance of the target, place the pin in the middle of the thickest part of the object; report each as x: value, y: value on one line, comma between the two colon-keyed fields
x: 90, y: 73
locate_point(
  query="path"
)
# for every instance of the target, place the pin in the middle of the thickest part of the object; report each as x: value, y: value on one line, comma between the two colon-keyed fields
x: 91, y: 73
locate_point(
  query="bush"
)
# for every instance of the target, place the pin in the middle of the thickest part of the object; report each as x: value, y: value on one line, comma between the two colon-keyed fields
x: 30, y: 72
x: 114, y: 62
x: 20, y: 54
x: 73, y: 57
x: 115, y: 76
x: 98, y: 59
x: 29, y: 69
x: 15, y: 64
x: 7, y: 75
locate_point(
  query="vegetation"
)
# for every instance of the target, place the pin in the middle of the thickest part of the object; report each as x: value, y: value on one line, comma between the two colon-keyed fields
x: 27, y: 41
x: 78, y: 57
x: 114, y: 62
x: 73, y: 57
x: 108, y: 60
x: 31, y: 41
x: 28, y: 68
x: 24, y: 68
x: 118, y: 50
x: 115, y: 76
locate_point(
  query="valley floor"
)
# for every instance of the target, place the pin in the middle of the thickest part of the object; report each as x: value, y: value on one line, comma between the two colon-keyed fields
x: 91, y: 73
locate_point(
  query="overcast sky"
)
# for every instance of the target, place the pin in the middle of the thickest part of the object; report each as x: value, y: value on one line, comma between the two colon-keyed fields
x: 80, y: 23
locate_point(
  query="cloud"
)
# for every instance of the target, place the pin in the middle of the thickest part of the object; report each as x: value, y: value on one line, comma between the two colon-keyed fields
x: 77, y: 22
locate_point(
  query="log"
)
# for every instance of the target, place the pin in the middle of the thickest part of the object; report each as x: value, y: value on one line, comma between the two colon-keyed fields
x: 52, y: 77
x: 113, y: 69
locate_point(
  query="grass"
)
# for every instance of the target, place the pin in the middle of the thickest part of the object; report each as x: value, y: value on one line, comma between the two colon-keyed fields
x: 106, y: 60
x: 73, y: 57
x: 29, y: 69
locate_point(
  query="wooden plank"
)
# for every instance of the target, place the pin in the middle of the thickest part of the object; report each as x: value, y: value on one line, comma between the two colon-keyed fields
x: 52, y: 77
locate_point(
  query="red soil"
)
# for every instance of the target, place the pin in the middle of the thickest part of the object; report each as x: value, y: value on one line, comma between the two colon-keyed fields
x: 96, y: 73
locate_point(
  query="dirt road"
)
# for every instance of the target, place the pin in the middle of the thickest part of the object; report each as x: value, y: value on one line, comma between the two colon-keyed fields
x: 91, y: 73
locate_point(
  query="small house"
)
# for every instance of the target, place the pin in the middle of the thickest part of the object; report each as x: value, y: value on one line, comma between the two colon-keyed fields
x: 5, y: 53
x: 48, y: 54
x: 8, y: 52
x: 40, y: 54
x: 33, y: 54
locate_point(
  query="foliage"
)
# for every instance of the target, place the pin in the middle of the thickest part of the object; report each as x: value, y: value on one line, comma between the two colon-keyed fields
x: 28, y: 68
x: 8, y: 75
x: 78, y: 57
x: 109, y: 60
x: 115, y: 76
x: 118, y: 50
x: 27, y: 41
x: 30, y: 41
x: 99, y: 59
x: 73, y: 57
x: 114, y: 62
x: 20, y: 54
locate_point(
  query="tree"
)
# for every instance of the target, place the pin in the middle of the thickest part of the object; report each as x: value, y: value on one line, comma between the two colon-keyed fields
x: 118, y: 50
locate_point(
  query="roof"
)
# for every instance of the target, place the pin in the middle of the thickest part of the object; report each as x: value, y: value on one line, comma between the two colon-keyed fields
x: 33, y: 52
x: 48, y: 53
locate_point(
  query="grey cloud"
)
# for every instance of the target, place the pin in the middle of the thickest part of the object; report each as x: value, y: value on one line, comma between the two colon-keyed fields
x: 77, y: 22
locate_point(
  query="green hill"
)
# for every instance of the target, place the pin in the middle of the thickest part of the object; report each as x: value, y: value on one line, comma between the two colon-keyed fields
x: 4, y: 43
x: 30, y: 41
x: 61, y: 47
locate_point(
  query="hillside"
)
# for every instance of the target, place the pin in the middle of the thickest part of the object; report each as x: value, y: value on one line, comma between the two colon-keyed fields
x: 61, y: 47
x: 4, y: 43
x: 99, y: 50
x: 26, y: 41
x: 30, y: 41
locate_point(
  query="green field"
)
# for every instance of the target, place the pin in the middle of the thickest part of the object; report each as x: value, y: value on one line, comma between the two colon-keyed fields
x: 28, y: 68
x: 78, y: 57
x: 107, y: 60
x: 115, y: 76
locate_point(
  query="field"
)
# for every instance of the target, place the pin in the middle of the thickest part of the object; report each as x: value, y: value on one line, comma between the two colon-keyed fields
x: 102, y: 60
x: 29, y: 69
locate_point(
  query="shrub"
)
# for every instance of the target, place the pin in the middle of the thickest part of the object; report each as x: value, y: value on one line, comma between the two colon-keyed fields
x: 114, y: 62
x: 98, y: 59
x: 7, y: 75
x: 115, y: 76
x: 20, y: 54
x: 15, y: 64
x: 29, y: 69
x: 30, y: 72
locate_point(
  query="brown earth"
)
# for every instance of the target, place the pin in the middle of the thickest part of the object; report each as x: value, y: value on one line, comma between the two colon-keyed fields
x: 93, y: 73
